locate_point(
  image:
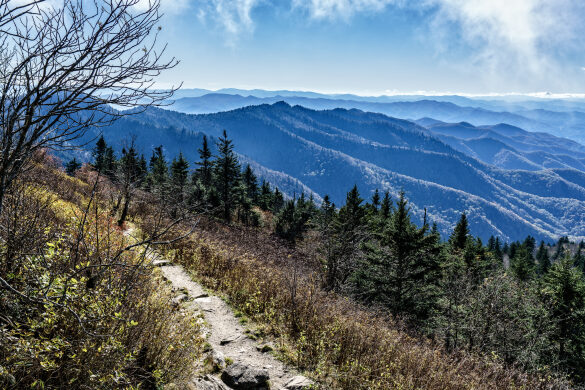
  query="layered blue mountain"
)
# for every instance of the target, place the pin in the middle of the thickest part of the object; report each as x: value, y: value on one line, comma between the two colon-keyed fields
x: 557, y: 117
x: 327, y: 152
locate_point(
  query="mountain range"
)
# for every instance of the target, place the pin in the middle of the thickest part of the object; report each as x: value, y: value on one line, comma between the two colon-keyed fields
x: 558, y: 117
x: 509, y: 181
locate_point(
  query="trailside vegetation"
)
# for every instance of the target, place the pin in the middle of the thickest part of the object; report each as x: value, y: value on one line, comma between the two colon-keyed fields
x: 510, y: 313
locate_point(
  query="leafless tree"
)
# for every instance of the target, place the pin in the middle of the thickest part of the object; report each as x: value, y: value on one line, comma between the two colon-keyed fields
x: 66, y: 69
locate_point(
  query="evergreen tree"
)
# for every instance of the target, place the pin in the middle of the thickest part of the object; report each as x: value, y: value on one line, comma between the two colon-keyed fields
x: 99, y: 153
x: 128, y: 177
x: 345, y: 241
x: 522, y: 264
x: 400, y: 269
x: 386, y: 206
x: 226, y: 173
x: 158, y: 170
x: 579, y: 258
x: 277, y: 200
x: 543, y: 259
x: 251, y: 184
x: 205, y: 164
x: 179, y: 176
x: 72, y: 166
x: 458, y: 239
x: 564, y: 288
x: 266, y: 199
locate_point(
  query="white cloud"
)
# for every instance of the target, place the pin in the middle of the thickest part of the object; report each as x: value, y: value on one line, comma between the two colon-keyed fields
x: 521, y: 38
x: 333, y: 9
x: 168, y: 7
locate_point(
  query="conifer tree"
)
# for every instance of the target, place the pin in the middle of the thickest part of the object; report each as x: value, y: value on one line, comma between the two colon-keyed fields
x: 205, y: 164
x: 158, y: 170
x: 99, y: 153
x: 564, y: 286
x: 277, y: 200
x: 400, y: 270
x: 179, y: 176
x: 386, y: 206
x: 226, y: 173
x: 72, y: 166
x: 266, y: 198
x: 129, y: 177
x: 251, y: 184
x: 458, y: 239
x: 522, y: 264
x: 543, y: 259
x: 345, y: 241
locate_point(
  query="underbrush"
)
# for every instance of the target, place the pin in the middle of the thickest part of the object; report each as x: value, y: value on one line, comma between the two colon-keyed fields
x: 335, y: 340
x: 79, y: 309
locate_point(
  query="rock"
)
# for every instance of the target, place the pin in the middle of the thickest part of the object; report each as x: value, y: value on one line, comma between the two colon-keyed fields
x: 208, y: 383
x: 161, y: 263
x: 202, y: 296
x: 264, y: 348
x: 179, y: 298
x: 228, y: 340
x: 298, y: 383
x: 218, y: 360
x: 242, y: 377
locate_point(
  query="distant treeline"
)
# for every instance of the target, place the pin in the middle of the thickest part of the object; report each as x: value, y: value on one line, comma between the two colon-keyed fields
x: 521, y: 303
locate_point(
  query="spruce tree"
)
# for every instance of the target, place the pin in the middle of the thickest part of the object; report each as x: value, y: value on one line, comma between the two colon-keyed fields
x: 460, y: 235
x: 277, y: 200
x: 386, y: 206
x: 400, y: 269
x: 72, y: 166
x: 158, y: 170
x: 564, y: 288
x: 205, y: 164
x: 522, y: 264
x: 543, y: 259
x: 226, y: 173
x: 179, y: 176
x: 251, y: 184
x: 99, y: 153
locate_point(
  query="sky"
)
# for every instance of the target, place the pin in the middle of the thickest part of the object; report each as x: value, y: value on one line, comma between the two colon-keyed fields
x: 372, y: 47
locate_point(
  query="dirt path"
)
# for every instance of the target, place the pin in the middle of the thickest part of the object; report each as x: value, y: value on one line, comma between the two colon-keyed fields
x: 224, y: 332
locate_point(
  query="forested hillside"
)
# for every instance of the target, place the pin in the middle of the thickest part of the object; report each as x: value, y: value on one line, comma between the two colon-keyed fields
x: 326, y: 152
x: 520, y: 303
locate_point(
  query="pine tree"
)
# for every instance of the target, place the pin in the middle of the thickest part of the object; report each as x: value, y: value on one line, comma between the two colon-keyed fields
x: 277, y: 200
x: 72, y: 166
x: 205, y: 164
x: 345, y: 241
x: 158, y: 170
x: 460, y: 235
x: 266, y: 199
x: 226, y: 173
x: 386, y: 206
x: 99, y: 154
x: 579, y: 258
x: 179, y: 176
x: 543, y: 259
x: 128, y: 177
x: 400, y: 270
x: 251, y: 184
x: 564, y: 286
x: 522, y: 264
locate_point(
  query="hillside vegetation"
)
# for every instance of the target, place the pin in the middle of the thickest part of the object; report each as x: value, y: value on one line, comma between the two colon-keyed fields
x: 80, y: 308
x: 346, y: 288
x: 327, y: 152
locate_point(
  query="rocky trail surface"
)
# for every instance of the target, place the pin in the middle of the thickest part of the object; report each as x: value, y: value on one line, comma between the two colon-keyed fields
x: 240, y: 362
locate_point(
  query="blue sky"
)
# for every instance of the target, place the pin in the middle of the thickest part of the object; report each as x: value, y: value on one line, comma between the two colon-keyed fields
x: 378, y: 46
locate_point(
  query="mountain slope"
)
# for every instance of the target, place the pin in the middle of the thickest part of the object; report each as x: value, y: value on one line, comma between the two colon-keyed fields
x: 329, y: 151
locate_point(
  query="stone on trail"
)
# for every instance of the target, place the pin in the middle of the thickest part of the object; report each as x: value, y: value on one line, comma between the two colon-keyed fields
x: 208, y: 382
x: 242, y: 377
x: 298, y: 383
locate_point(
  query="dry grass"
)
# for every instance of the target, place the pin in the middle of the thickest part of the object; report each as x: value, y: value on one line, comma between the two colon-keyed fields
x: 84, y: 321
x: 332, y: 338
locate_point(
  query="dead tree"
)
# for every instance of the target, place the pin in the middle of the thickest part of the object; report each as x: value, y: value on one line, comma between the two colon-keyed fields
x: 64, y: 70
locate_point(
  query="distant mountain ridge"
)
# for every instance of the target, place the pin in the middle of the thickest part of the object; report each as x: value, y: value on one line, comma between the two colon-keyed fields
x: 529, y: 115
x: 327, y: 152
